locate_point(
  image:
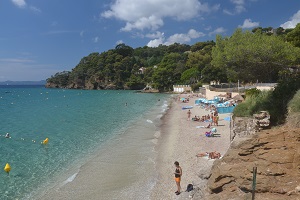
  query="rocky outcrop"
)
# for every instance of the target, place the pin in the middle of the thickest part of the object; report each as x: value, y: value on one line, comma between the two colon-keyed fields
x: 275, y: 153
x: 52, y: 85
x: 262, y: 119
x: 244, y: 127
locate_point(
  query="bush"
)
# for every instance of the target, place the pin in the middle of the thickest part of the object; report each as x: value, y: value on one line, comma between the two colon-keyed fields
x: 252, y: 92
x: 294, y: 104
x: 196, y: 86
x: 253, y: 104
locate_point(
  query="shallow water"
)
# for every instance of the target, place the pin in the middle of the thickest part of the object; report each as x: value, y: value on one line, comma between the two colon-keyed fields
x: 77, y: 123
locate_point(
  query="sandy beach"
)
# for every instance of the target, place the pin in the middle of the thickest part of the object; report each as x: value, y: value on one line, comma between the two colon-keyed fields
x: 181, y: 141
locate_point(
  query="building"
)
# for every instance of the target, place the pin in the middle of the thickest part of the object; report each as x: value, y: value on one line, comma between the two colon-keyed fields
x: 181, y: 88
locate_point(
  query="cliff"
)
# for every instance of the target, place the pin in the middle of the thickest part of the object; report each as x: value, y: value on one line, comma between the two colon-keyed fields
x: 275, y: 153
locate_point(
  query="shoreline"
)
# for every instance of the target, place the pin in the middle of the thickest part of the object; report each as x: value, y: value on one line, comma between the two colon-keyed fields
x: 116, y: 169
x: 180, y: 141
x: 175, y: 138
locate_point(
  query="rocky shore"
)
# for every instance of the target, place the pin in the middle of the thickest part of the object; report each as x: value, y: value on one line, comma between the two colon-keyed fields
x: 275, y: 153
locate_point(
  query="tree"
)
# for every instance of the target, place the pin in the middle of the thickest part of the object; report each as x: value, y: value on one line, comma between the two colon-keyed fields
x: 168, y: 72
x: 294, y: 36
x: 190, y: 76
x: 251, y: 57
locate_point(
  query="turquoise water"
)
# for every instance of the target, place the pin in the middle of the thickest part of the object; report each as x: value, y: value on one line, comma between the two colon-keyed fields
x: 75, y: 121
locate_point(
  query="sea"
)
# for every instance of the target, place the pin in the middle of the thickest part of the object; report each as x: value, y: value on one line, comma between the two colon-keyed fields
x: 80, y: 125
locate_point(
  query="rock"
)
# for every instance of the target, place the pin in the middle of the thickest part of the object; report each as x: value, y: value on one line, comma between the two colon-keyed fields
x: 275, y: 153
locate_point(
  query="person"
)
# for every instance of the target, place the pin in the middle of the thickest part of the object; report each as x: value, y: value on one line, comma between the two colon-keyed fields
x: 178, y: 174
x: 214, y: 155
x: 189, y: 114
x: 211, y: 155
x: 7, y: 135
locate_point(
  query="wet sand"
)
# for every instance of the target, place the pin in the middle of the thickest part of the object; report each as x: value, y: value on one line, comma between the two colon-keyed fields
x: 181, y: 141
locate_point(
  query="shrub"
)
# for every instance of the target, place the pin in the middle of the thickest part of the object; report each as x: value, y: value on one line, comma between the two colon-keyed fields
x: 253, y: 104
x: 196, y: 86
x: 294, y: 104
x: 252, y: 92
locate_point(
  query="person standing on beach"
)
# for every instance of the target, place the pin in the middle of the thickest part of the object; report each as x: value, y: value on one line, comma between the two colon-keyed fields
x: 189, y: 114
x: 178, y: 174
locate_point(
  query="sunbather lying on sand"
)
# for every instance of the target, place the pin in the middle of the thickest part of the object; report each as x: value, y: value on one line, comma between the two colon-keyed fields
x: 206, y: 126
x: 211, y: 155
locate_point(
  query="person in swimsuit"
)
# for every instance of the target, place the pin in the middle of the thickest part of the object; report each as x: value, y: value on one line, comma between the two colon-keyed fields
x: 178, y: 174
x: 189, y: 114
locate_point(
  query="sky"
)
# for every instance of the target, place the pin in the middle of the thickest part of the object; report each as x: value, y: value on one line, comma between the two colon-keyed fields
x: 41, y: 37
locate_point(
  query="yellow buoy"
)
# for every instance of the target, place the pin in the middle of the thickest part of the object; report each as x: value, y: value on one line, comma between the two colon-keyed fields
x: 7, y: 168
x: 45, y: 141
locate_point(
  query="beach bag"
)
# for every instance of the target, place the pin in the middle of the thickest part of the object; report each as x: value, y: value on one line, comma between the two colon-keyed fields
x: 189, y: 188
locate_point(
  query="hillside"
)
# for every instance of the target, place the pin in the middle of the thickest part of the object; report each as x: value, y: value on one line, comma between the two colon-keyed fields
x: 245, y: 56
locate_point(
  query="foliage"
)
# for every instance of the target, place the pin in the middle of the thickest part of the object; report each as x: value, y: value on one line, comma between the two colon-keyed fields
x: 294, y: 36
x: 253, y: 57
x: 196, y: 86
x: 286, y: 88
x: 245, y: 56
x: 60, y: 78
x: 252, y: 92
x: 294, y: 104
x: 190, y: 76
x: 212, y: 73
x: 275, y: 102
x: 168, y: 72
x: 253, y: 104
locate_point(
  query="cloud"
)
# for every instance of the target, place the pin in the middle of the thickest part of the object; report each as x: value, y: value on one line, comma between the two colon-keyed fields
x: 16, y: 60
x: 294, y: 20
x: 81, y: 33
x: 176, y: 38
x: 96, y: 39
x: 23, y: 4
x: 239, y: 7
x: 150, y: 14
x: 35, y: 9
x: 119, y: 42
x: 217, y: 31
x: 55, y: 32
x: 249, y: 24
x: 19, y: 3
x: 157, y: 34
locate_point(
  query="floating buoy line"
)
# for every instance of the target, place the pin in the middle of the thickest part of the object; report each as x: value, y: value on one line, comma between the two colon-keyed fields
x: 7, y: 167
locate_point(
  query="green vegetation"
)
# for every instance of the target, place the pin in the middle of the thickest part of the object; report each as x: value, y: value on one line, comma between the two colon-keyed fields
x: 275, y: 102
x: 293, y: 118
x: 294, y: 104
x: 262, y: 55
x: 252, y: 92
x: 253, y: 104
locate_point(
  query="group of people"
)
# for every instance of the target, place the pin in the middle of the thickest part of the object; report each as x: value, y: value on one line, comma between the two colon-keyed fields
x: 213, y: 118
